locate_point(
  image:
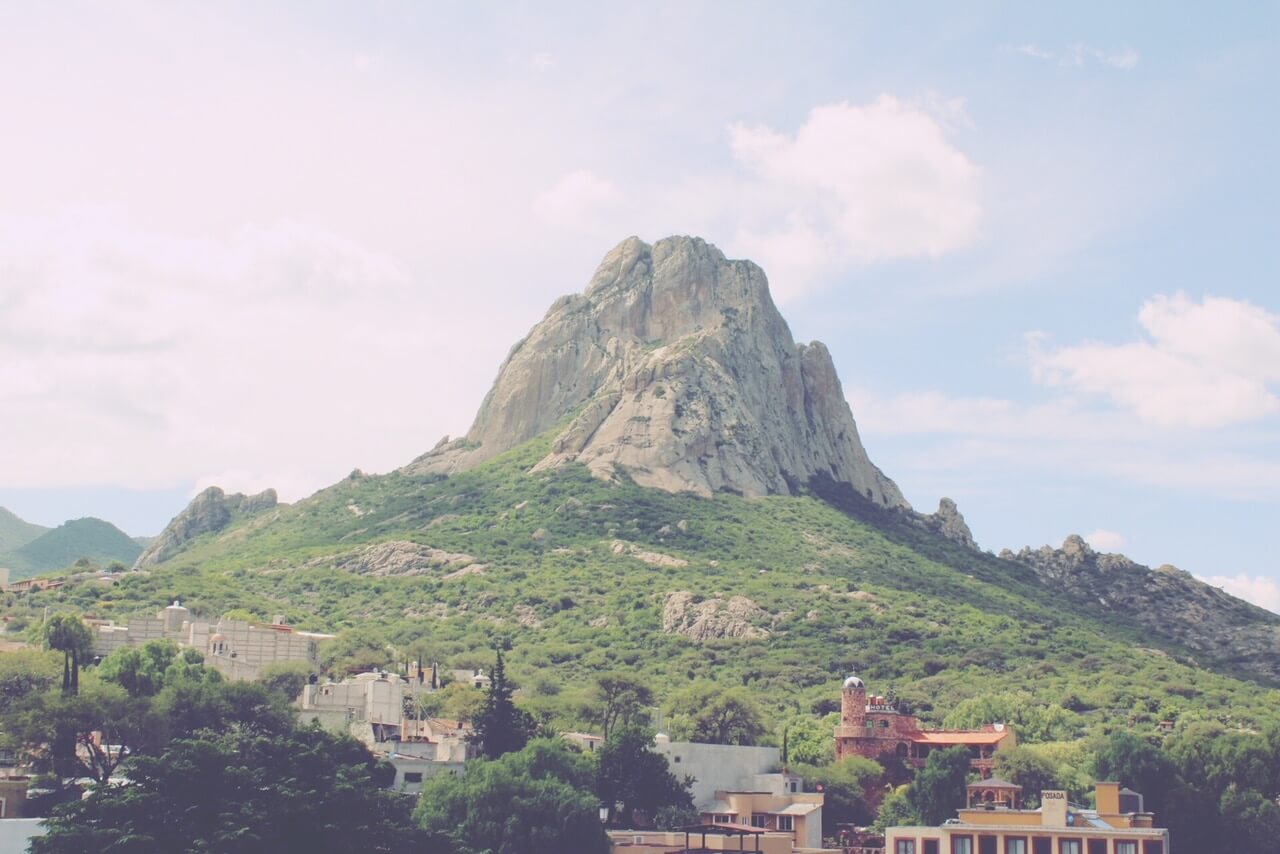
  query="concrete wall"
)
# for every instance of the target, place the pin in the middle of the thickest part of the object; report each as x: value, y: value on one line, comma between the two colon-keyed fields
x: 715, y: 767
x: 16, y: 833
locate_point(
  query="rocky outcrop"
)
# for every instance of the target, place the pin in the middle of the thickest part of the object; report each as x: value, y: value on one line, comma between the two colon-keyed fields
x: 1217, y: 626
x: 401, y: 557
x: 949, y: 524
x: 675, y: 369
x: 209, y: 512
x: 713, y: 618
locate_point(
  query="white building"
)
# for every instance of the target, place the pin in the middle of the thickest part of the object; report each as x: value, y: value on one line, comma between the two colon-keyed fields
x: 237, y: 649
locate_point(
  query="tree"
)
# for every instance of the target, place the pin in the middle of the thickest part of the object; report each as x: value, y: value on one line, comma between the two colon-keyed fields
x: 139, y: 670
x: 538, y: 800
x: 809, y: 740
x: 25, y: 673
x: 86, y: 734
x: 849, y: 786
x: 712, y: 714
x: 897, y: 810
x: 186, y: 707
x: 1126, y: 758
x: 241, y: 791
x: 630, y: 773
x: 620, y: 698
x: 939, y: 789
x: 501, y: 727
x: 1024, y: 766
x: 456, y: 701
x: 69, y: 635
x: 286, y: 679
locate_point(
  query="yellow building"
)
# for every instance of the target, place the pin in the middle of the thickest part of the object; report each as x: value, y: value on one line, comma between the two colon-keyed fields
x: 1117, y: 826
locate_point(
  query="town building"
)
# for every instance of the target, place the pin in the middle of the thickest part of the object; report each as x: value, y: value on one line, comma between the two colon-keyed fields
x: 708, y: 837
x: 236, y: 648
x: 874, y: 727
x: 737, y: 786
x: 375, y: 707
x: 1118, y: 825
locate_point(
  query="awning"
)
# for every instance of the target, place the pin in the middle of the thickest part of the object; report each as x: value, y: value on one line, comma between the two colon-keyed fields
x: 797, y: 809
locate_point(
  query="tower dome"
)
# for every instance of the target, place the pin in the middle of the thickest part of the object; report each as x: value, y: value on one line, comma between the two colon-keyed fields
x: 854, y: 682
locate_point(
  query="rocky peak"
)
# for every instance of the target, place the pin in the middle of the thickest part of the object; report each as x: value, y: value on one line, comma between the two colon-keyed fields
x: 948, y: 523
x: 210, y: 511
x: 1167, y: 600
x: 674, y: 367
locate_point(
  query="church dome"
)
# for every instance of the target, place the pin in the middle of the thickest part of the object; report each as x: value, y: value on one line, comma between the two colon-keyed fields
x: 854, y: 682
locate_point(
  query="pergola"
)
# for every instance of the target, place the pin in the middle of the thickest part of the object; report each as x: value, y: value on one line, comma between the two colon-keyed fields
x: 994, y: 792
x: 741, y: 831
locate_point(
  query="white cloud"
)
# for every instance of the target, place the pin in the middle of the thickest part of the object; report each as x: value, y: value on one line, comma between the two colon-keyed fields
x: 965, y: 439
x: 1077, y: 55
x: 855, y: 184
x: 1200, y: 365
x: 577, y: 200
x: 1260, y: 590
x: 1103, y: 540
x: 1034, y: 51
x: 137, y: 357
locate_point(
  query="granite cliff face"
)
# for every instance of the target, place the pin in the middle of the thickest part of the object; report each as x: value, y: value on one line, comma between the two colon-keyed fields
x: 210, y: 511
x: 1166, y: 600
x: 675, y: 368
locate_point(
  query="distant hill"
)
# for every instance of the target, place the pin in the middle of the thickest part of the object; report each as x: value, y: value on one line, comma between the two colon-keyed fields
x: 99, y: 541
x: 15, y: 532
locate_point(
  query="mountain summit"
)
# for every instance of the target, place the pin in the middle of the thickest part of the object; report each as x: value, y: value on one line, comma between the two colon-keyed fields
x: 675, y: 368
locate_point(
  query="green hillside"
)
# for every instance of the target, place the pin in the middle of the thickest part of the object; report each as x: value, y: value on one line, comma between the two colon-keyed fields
x: 98, y: 541
x: 15, y: 532
x: 580, y: 574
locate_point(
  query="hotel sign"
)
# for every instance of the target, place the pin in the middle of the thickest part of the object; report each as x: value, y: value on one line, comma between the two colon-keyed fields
x: 881, y: 708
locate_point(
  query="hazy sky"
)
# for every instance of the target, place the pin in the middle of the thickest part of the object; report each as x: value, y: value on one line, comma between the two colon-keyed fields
x: 257, y: 244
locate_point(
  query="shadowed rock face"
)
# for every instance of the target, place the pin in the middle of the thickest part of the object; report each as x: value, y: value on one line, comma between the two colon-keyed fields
x: 674, y: 367
x: 211, y: 510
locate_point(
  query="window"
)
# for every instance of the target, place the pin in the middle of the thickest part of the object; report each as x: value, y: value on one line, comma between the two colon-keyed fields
x: 1126, y: 847
x: 931, y: 846
x: 720, y: 818
x: 905, y: 846
x: 1096, y: 846
x: 758, y: 820
x: 988, y: 845
x: 1015, y: 845
x: 793, y: 785
x: 1042, y: 845
x: 1153, y: 846
x: 413, y: 776
x: 1069, y: 846
x: 962, y: 845
x: 785, y: 823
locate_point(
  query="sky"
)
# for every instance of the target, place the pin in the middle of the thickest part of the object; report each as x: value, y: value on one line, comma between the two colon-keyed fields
x: 263, y: 244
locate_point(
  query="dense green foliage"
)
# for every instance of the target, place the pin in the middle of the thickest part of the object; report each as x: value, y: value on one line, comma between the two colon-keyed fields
x: 89, y: 539
x: 1214, y: 789
x: 939, y: 788
x: 241, y: 790
x: 936, y: 623
x: 539, y: 800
